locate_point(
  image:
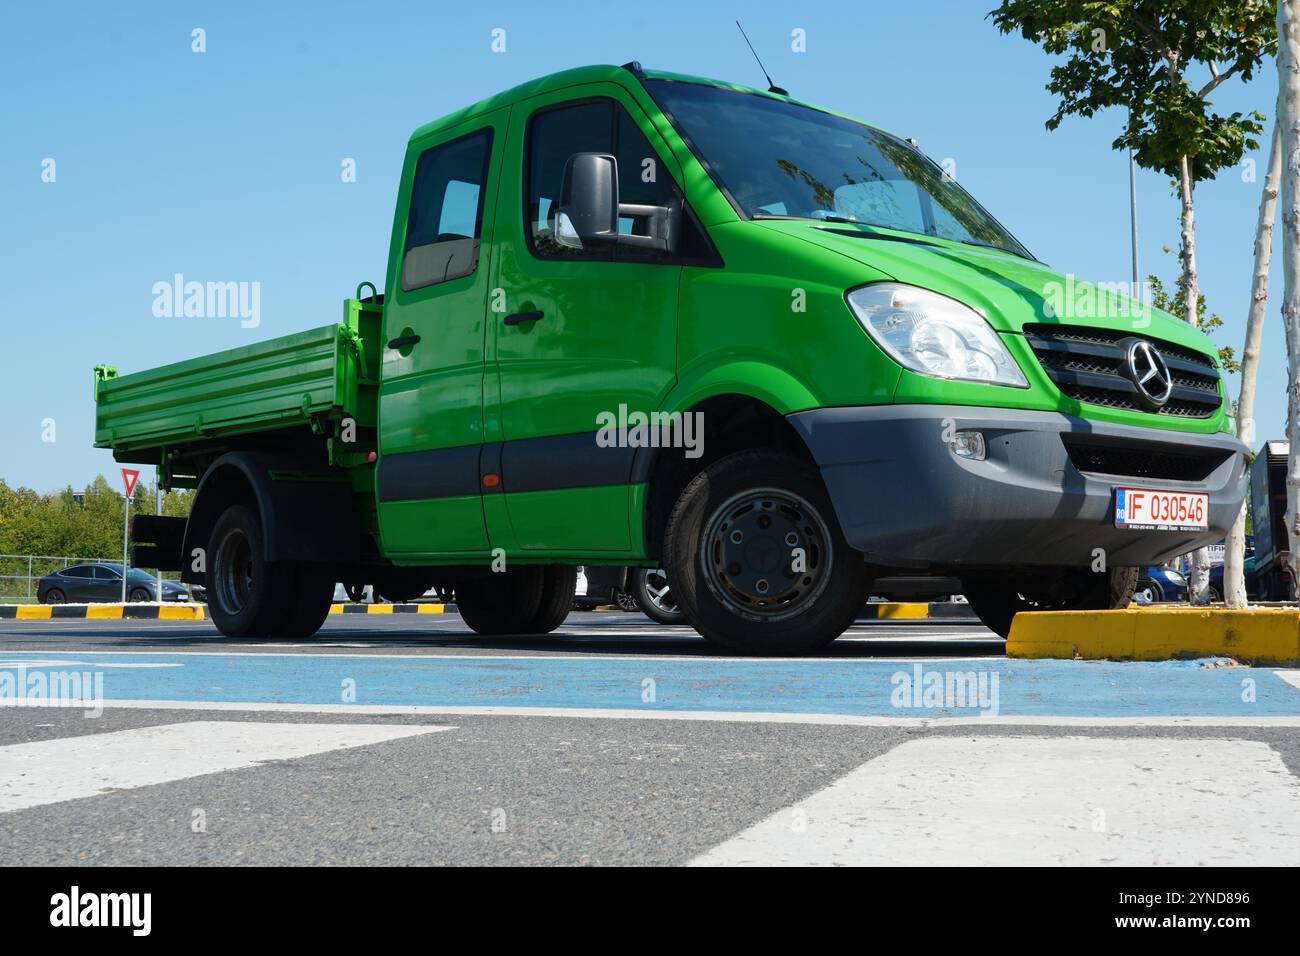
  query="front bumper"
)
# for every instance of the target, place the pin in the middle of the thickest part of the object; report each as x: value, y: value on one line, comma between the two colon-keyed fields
x: 906, y: 500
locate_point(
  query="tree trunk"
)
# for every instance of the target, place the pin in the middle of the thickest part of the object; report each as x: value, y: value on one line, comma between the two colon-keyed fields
x: 1234, y: 575
x: 1288, y: 67
x: 1199, y: 593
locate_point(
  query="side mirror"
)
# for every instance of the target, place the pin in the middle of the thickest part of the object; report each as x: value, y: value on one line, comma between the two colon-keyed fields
x: 589, y: 209
x: 588, y: 200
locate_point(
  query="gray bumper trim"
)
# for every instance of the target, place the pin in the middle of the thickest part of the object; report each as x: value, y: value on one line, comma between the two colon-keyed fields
x: 905, y: 500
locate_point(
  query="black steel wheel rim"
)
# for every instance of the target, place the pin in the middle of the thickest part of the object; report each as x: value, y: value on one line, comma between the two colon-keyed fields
x: 234, y: 577
x: 766, y: 554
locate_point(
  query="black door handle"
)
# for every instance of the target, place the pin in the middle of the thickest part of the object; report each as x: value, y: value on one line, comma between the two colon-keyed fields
x: 520, y: 317
x: 402, y: 341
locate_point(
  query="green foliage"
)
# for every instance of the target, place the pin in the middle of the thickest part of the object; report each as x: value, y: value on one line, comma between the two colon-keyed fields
x: 1137, y: 55
x: 1206, y: 321
x: 57, y: 525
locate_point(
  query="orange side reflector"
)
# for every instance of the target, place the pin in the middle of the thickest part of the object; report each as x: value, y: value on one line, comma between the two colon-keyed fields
x: 491, y: 480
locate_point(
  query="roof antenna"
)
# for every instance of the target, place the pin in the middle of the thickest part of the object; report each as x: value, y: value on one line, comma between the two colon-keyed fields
x: 771, y: 87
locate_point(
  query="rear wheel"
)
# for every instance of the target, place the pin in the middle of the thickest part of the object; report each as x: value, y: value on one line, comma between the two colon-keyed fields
x: 997, y: 599
x: 505, y: 602
x: 55, y: 596
x: 250, y: 597
x: 757, y: 558
x: 559, y: 584
x: 312, y: 595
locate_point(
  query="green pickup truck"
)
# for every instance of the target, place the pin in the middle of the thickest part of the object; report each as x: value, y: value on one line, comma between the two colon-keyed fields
x: 633, y: 318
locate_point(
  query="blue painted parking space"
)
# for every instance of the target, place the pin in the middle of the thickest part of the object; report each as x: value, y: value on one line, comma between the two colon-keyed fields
x: 879, y: 688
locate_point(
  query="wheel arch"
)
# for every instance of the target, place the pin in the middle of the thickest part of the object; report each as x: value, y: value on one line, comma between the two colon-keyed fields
x: 732, y: 421
x: 306, y: 515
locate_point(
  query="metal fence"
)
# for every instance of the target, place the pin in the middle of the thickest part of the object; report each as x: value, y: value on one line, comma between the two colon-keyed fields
x: 21, y: 573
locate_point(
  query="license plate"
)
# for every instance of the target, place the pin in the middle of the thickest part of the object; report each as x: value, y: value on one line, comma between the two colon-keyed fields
x: 1143, y: 509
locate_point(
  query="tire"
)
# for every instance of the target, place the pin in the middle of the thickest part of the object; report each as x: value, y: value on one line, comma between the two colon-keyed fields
x: 652, y: 591
x: 626, y: 601
x: 1156, y: 593
x: 313, y: 594
x: 559, y: 584
x: 248, y: 596
x: 138, y: 596
x: 55, y: 596
x: 502, y: 603
x: 725, y: 584
x: 996, y: 599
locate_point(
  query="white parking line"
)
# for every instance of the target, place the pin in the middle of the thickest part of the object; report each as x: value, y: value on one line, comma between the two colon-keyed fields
x: 725, y: 716
x: 1034, y: 801
x: 51, y: 771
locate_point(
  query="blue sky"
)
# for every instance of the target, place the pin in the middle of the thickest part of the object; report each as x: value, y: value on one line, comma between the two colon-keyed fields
x: 226, y: 165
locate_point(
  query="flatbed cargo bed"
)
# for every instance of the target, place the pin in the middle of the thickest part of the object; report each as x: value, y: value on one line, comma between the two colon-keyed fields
x: 286, y: 382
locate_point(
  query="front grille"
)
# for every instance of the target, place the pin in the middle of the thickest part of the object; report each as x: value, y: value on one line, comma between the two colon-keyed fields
x: 1146, y: 461
x: 1088, y: 365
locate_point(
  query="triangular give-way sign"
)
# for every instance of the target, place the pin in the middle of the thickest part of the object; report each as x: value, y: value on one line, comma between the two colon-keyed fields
x: 129, y: 475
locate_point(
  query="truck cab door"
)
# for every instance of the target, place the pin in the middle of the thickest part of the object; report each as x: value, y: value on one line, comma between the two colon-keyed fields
x: 582, y: 332
x: 431, y: 376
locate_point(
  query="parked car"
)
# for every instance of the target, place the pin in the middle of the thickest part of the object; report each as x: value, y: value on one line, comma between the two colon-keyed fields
x: 1159, y: 583
x: 654, y: 596
x: 92, y: 583
x: 597, y: 586
x: 1252, y: 579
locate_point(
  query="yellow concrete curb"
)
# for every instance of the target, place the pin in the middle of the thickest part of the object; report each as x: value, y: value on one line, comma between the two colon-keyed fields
x: 341, y: 608
x: 102, y: 612
x: 895, y: 609
x: 181, y: 613
x: 1265, y: 635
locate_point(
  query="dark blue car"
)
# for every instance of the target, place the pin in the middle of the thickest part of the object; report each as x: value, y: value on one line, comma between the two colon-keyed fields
x: 94, y: 583
x: 1158, y: 583
x: 1252, y: 579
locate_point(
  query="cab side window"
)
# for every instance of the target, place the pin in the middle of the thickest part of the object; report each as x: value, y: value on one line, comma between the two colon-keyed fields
x: 593, y: 126
x: 445, y: 222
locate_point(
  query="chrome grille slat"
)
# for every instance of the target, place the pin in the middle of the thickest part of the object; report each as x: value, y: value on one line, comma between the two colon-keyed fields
x: 1087, y: 365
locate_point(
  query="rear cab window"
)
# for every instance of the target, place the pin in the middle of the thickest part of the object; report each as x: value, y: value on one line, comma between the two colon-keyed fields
x: 444, y: 224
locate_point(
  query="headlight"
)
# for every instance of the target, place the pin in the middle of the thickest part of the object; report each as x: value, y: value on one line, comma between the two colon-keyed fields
x: 933, y: 334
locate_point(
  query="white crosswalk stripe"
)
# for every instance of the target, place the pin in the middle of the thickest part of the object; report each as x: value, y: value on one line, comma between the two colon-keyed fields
x: 1041, y: 801
x: 51, y: 771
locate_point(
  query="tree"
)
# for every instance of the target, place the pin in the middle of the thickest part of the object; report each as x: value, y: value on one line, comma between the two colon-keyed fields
x: 1141, y: 55
x: 1207, y: 321
x: 1234, y: 574
x: 1288, y: 121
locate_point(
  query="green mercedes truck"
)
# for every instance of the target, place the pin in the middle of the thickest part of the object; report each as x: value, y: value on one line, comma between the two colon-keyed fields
x: 634, y: 318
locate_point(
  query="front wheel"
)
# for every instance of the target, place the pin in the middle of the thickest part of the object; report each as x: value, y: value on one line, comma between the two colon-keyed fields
x: 655, y: 596
x: 996, y: 599
x: 1148, y: 592
x: 139, y: 596
x: 758, y: 560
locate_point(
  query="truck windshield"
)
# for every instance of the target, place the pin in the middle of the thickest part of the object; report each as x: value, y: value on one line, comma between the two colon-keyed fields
x: 780, y: 159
